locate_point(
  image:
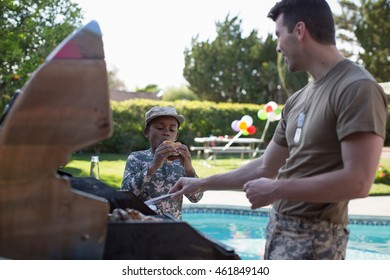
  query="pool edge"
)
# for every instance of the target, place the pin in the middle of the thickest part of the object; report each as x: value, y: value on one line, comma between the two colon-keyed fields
x: 246, y: 211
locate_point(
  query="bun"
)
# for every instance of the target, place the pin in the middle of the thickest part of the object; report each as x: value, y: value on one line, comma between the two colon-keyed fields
x: 176, y: 145
x: 173, y: 144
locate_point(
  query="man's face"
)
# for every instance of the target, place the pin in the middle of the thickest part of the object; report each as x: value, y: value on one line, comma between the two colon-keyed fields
x: 162, y: 129
x: 288, y: 45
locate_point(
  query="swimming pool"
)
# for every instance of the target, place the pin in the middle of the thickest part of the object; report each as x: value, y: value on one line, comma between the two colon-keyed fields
x: 244, y: 230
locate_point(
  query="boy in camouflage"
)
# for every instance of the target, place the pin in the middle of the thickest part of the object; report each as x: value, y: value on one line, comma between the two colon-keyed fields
x: 151, y: 173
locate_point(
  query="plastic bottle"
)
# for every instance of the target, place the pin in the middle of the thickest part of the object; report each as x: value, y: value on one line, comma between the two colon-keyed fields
x: 94, y: 171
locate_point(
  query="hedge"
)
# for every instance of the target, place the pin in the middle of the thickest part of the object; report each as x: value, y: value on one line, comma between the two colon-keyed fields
x: 201, y: 119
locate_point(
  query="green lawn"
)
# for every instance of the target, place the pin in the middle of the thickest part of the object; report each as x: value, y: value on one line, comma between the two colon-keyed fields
x: 112, y: 167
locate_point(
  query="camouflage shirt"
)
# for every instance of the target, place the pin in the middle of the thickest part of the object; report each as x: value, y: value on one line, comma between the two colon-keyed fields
x: 134, y: 180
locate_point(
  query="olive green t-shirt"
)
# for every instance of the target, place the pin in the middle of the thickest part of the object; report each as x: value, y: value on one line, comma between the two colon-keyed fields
x: 314, y: 122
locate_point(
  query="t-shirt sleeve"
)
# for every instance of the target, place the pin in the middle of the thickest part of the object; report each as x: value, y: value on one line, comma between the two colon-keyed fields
x: 362, y: 108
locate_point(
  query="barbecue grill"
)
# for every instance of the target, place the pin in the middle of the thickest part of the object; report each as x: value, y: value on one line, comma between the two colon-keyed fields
x: 44, y: 214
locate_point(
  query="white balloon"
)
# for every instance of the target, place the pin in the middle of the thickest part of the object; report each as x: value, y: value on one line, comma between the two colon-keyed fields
x: 271, y: 116
x: 273, y: 105
x: 248, y: 120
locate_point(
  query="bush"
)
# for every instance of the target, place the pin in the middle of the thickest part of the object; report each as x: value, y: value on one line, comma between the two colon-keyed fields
x: 202, y: 119
x: 382, y: 175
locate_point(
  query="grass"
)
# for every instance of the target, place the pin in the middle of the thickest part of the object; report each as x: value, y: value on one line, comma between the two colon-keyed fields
x: 112, y: 167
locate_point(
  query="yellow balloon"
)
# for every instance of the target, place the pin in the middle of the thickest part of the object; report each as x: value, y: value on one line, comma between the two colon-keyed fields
x: 242, y: 125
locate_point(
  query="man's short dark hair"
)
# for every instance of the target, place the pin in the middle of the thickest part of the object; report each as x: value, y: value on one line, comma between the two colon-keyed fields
x: 316, y: 14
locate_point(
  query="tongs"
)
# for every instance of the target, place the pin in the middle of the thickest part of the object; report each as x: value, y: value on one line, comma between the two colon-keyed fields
x: 158, y: 199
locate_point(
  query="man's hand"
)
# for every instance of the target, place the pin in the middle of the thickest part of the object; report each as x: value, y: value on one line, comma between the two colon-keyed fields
x: 186, y: 185
x: 260, y: 192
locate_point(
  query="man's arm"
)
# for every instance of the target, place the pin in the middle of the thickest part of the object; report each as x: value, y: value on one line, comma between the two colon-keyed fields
x: 360, y: 153
x: 267, y: 165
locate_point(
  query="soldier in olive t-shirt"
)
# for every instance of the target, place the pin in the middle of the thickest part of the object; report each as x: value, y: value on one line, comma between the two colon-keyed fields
x: 347, y: 100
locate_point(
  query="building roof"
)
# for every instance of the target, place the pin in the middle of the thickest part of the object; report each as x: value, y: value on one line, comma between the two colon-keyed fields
x: 121, y: 95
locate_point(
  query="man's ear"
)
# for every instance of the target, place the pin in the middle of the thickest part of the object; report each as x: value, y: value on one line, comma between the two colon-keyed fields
x: 177, y: 136
x: 300, y: 29
x: 146, y: 132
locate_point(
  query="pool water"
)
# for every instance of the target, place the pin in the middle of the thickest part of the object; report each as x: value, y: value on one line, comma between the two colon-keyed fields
x: 245, y: 232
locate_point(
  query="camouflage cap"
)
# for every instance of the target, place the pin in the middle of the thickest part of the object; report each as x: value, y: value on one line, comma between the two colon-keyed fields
x: 159, y: 111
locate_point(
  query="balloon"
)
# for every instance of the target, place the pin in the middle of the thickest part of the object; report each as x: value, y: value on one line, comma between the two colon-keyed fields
x: 273, y: 105
x: 248, y: 120
x: 245, y: 132
x: 251, y: 130
x: 278, y: 111
x: 268, y: 108
x: 242, y: 125
x: 262, y: 115
x: 271, y: 116
x: 235, y: 126
x: 270, y: 112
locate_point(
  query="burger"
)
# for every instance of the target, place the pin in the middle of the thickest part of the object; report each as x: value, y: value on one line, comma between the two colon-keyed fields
x: 174, y: 145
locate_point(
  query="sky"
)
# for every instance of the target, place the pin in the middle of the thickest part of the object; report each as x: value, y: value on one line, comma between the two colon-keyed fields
x: 145, y: 39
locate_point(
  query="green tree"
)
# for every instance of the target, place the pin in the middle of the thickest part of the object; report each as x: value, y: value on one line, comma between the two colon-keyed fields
x: 229, y: 69
x: 366, y: 23
x: 179, y: 93
x: 234, y: 68
x: 30, y: 30
x: 152, y: 88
